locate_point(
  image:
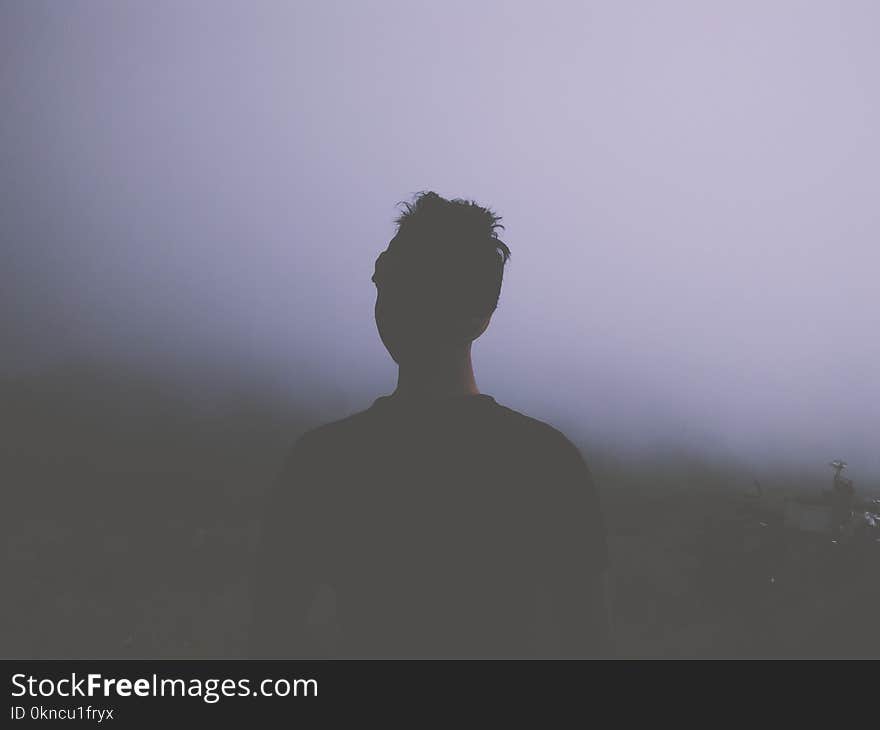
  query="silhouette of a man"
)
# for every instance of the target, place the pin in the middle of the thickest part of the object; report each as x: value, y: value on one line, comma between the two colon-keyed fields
x: 436, y: 523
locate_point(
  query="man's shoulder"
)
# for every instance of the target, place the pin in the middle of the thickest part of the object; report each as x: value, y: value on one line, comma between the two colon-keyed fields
x: 333, y: 432
x: 533, y: 430
x: 522, y: 433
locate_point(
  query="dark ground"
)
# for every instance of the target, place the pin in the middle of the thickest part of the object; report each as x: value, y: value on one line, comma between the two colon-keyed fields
x: 129, y: 519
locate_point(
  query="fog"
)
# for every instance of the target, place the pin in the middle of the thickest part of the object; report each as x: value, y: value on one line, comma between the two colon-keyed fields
x: 689, y: 189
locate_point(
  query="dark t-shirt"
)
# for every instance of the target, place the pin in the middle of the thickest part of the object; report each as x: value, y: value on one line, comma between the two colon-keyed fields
x: 449, y: 528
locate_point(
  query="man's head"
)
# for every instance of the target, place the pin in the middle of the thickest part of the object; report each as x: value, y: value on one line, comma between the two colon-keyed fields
x: 439, y: 280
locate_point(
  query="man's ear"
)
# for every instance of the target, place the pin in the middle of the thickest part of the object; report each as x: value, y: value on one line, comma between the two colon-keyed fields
x: 463, y: 330
x: 478, y: 325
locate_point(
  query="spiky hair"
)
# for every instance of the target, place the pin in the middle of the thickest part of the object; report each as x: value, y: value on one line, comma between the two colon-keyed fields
x: 447, y: 250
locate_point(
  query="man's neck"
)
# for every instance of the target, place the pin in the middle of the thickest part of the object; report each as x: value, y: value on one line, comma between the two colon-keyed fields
x: 443, y: 376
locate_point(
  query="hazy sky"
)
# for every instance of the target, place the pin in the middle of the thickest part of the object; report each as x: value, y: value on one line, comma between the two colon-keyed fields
x: 689, y: 190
